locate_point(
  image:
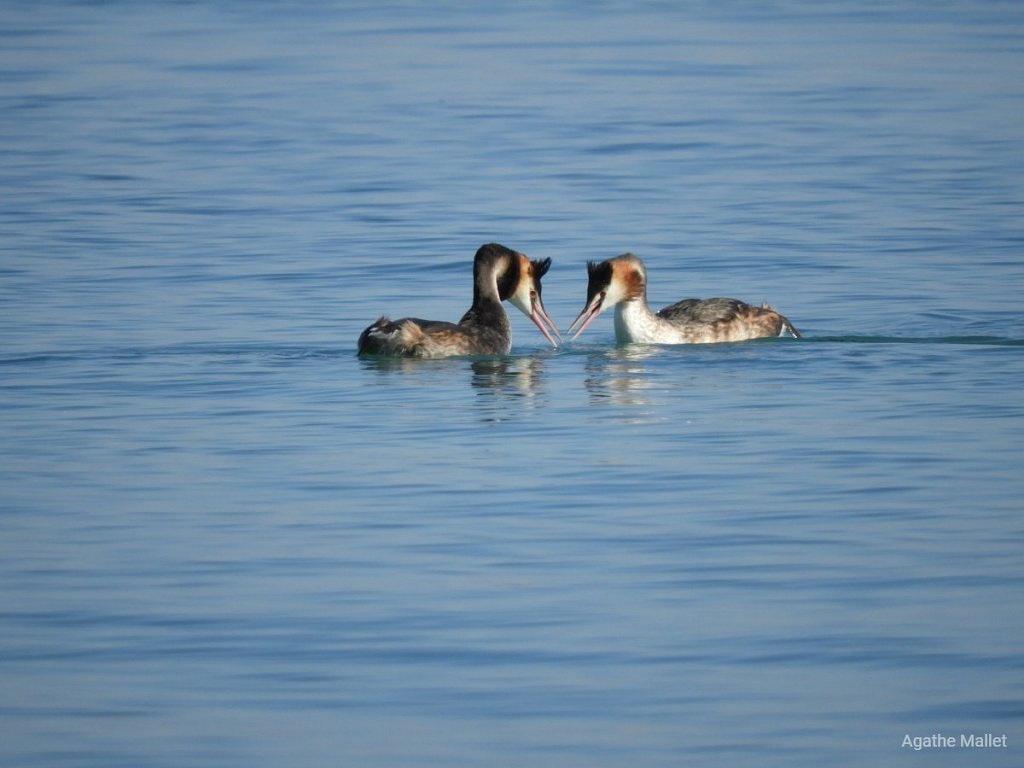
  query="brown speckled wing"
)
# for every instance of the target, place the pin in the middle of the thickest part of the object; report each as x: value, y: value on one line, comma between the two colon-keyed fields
x: 723, y: 319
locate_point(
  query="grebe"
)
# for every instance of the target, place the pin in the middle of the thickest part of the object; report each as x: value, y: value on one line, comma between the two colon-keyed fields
x: 622, y: 283
x: 499, y: 273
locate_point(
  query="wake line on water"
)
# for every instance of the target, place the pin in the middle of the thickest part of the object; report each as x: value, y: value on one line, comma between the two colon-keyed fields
x: 958, y: 340
x: 984, y: 341
x: 299, y: 352
x: 199, y: 350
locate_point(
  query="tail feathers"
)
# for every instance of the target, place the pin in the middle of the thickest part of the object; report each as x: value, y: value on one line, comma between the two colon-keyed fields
x: 368, y: 338
x: 787, y: 327
x: 385, y: 337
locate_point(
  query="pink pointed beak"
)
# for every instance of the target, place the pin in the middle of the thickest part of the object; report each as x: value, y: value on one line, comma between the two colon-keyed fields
x: 539, y: 317
x: 592, y: 310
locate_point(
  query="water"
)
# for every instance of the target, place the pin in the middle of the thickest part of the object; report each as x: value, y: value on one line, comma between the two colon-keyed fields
x: 226, y: 541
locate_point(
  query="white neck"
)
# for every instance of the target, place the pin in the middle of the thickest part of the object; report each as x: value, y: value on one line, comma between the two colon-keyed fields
x: 635, y: 322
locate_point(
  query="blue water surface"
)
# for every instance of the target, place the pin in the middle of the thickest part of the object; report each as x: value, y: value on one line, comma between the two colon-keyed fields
x: 227, y: 541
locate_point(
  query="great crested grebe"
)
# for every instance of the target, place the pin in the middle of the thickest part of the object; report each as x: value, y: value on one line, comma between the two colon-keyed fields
x: 499, y: 274
x: 622, y: 283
